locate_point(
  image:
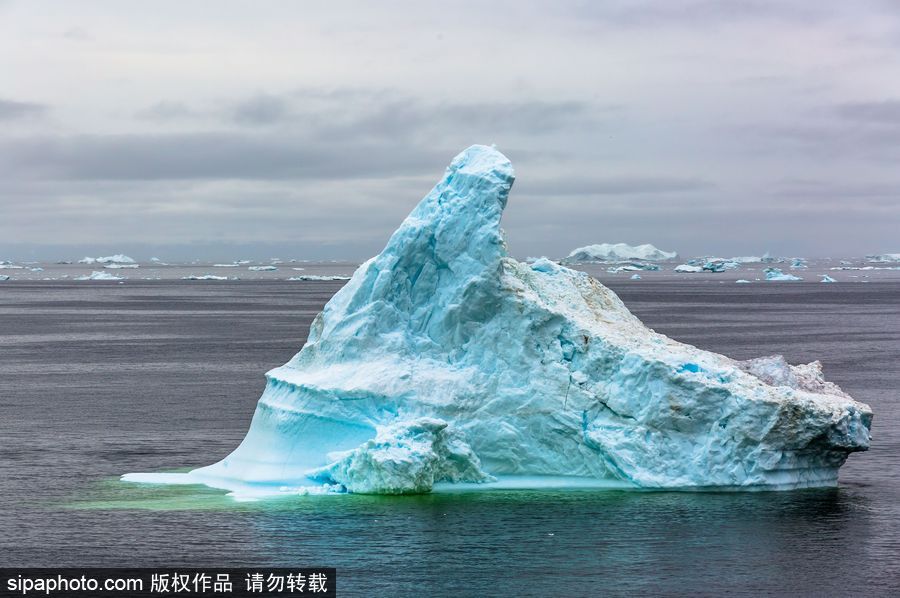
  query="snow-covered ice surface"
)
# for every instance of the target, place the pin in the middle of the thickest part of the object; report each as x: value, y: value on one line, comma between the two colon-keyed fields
x: 618, y: 252
x: 444, y: 362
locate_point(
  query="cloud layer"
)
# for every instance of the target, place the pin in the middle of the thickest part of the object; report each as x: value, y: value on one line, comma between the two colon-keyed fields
x: 702, y: 126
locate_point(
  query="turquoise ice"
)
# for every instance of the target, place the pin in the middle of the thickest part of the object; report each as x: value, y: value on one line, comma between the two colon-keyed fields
x: 445, y: 362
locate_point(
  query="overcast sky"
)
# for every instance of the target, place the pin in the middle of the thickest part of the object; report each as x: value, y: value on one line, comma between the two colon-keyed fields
x: 308, y: 130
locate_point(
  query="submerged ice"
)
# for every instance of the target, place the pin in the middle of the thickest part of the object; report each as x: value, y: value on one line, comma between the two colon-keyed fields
x: 444, y: 360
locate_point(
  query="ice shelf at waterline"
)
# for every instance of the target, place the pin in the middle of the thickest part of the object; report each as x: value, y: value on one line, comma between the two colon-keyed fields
x: 444, y: 361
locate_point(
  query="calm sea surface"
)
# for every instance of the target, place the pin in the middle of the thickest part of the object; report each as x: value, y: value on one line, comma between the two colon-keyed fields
x: 99, y: 379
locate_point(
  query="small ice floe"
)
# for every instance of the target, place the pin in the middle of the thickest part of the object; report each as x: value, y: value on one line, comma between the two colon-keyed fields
x: 826, y: 278
x: 776, y: 275
x: 95, y: 275
x: 298, y: 269
x: 204, y: 277
x: 262, y: 268
x: 119, y: 266
x: 9, y: 266
x: 36, y: 269
x: 634, y: 267
x: 635, y: 277
x: 234, y: 265
x: 742, y: 281
x: 317, y: 277
x: 688, y: 268
x: 4, y: 276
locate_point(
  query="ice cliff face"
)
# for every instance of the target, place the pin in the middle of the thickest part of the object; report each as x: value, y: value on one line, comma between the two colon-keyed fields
x: 445, y: 360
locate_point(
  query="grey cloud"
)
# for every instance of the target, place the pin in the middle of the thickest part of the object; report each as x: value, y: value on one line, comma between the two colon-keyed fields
x: 886, y: 112
x: 10, y: 109
x: 205, y: 156
x: 166, y: 111
x: 262, y: 109
x: 580, y: 185
x: 77, y: 34
x: 692, y: 12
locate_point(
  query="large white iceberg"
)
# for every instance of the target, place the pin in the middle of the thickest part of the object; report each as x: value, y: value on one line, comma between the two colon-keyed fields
x: 445, y: 361
x: 119, y: 258
x: 618, y: 252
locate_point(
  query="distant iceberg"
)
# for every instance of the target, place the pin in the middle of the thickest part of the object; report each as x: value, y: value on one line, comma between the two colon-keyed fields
x: 618, y: 252
x: 687, y: 268
x: 318, y: 277
x: 95, y: 275
x: 634, y: 267
x: 204, y: 277
x: 884, y: 258
x: 262, y: 268
x: 776, y: 275
x: 798, y: 263
x: 712, y: 264
x: 446, y: 362
x: 118, y: 259
x: 115, y: 266
x: 826, y: 278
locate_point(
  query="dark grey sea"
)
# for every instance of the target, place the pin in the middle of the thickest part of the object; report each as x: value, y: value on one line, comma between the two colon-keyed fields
x: 98, y: 379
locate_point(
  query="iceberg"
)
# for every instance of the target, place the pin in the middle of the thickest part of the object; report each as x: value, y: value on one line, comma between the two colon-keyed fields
x: 95, y: 275
x: 617, y: 252
x: 262, y: 268
x: 776, y: 275
x: 713, y: 264
x: 826, y: 278
x: 884, y: 258
x: 4, y: 277
x: 798, y: 263
x: 110, y: 259
x: 444, y: 362
x: 742, y: 281
x: 204, y: 277
x: 635, y: 277
x: 688, y: 268
x: 318, y: 277
x: 633, y: 267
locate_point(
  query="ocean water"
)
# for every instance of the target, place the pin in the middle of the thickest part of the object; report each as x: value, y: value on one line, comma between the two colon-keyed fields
x: 99, y: 379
